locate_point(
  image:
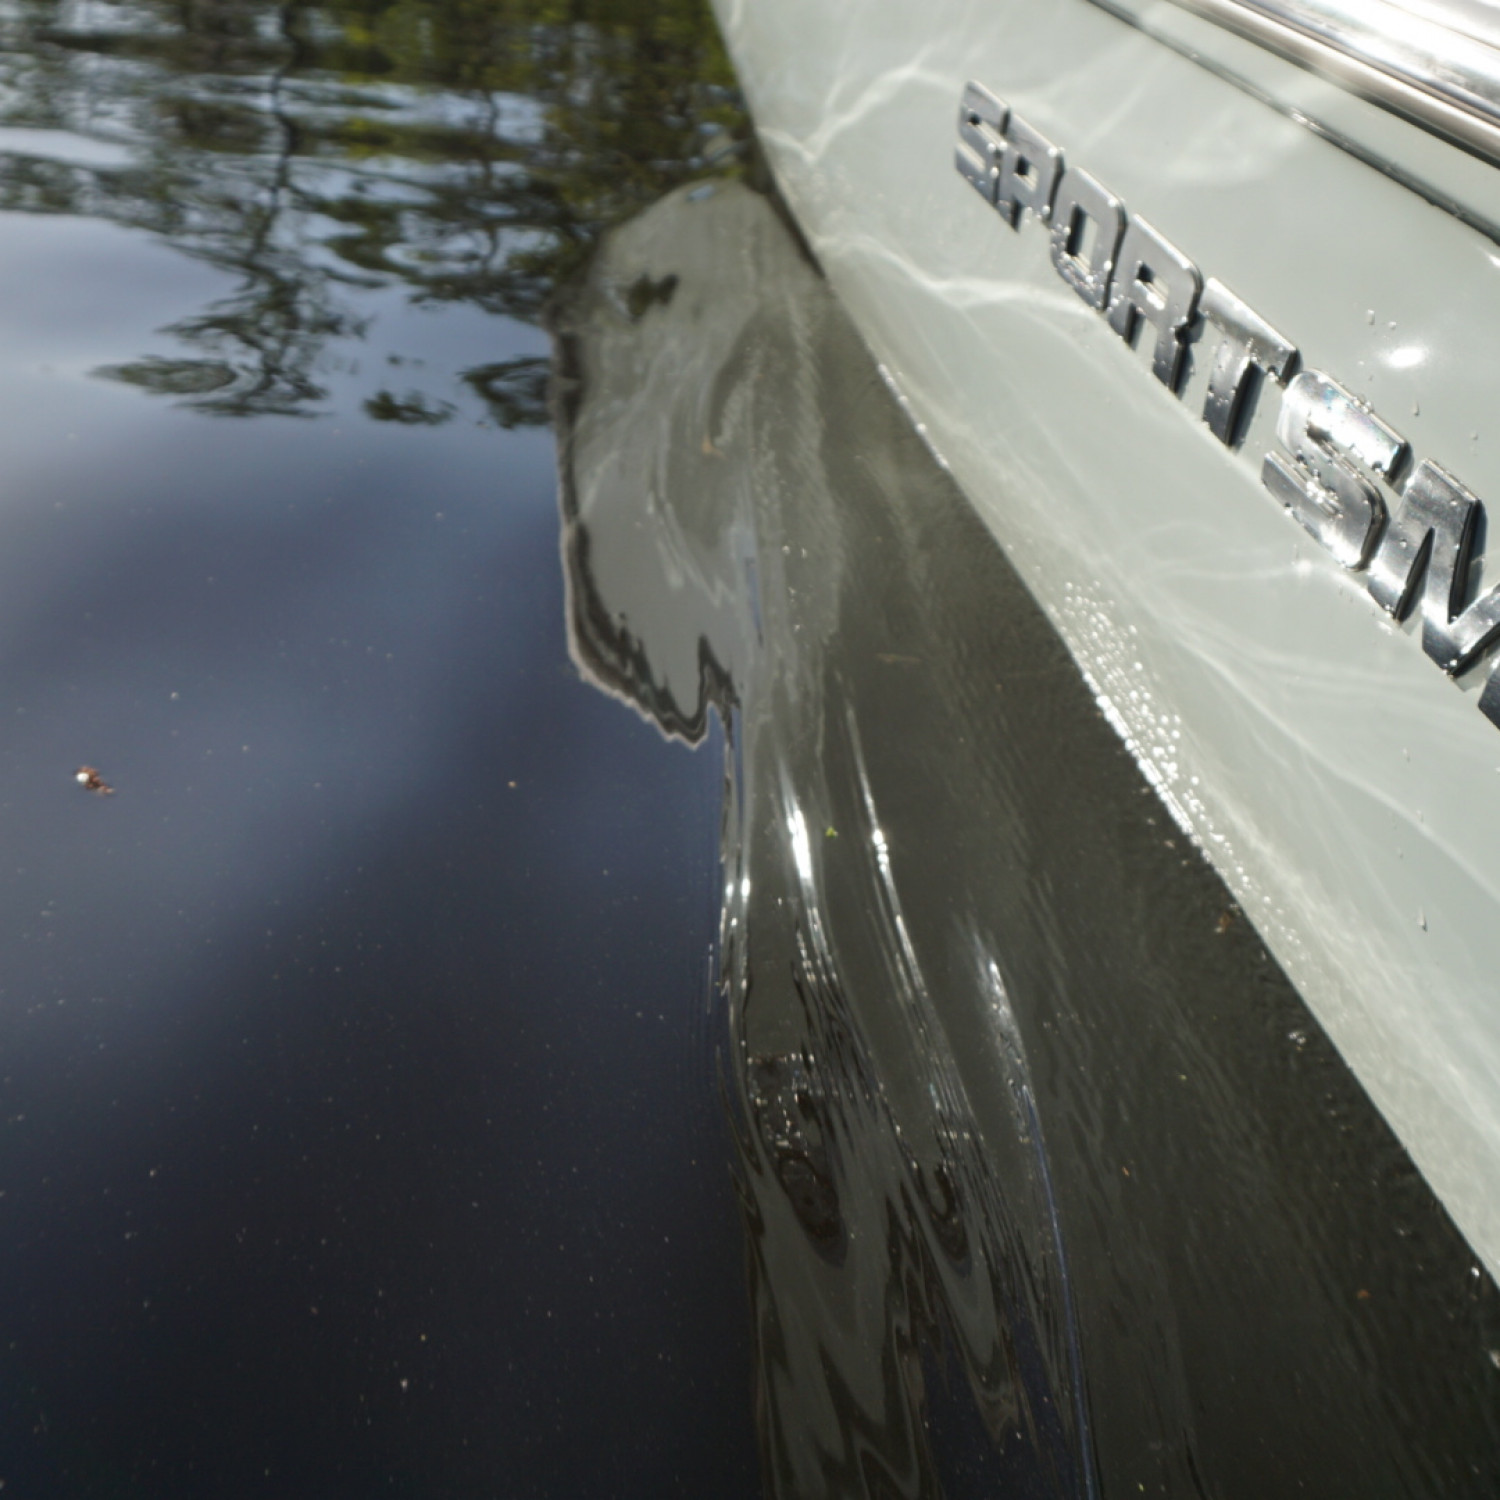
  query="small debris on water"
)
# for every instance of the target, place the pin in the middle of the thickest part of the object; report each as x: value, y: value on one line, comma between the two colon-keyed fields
x: 91, y: 781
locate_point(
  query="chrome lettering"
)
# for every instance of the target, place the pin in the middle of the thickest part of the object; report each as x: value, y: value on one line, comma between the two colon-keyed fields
x: 1029, y: 171
x: 1335, y: 450
x: 1248, y: 349
x: 981, y: 140
x: 1430, y: 544
x: 1333, y: 455
x: 1085, y: 259
x: 1489, y: 699
x: 1154, y: 283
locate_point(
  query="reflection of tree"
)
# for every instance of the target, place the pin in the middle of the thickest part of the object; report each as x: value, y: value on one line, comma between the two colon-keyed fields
x: 413, y: 410
x: 515, y: 390
x: 469, y: 150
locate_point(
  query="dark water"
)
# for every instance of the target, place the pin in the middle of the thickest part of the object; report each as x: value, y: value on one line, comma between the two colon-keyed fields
x: 359, y: 1117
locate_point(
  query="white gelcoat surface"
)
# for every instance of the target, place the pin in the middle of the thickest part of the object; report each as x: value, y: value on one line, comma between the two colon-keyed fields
x: 1348, y: 792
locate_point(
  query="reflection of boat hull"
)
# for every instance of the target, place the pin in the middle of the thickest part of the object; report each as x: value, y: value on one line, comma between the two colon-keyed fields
x: 1047, y: 1171
x: 1343, y: 786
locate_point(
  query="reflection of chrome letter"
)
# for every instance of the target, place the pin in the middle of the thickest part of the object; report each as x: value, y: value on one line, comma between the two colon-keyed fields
x: 1336, y: 447
x: 1247, y: 345
x: 1086, y: 261
x: 981, y: 139
x: 1433, y: 532
x: 1156, y: 283
x: 1028, y: 173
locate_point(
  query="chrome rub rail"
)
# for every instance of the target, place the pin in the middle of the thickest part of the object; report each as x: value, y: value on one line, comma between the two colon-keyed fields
x: 1436, y: 62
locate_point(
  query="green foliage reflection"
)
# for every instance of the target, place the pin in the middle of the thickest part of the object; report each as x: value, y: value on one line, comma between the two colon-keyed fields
x: 467, y: 151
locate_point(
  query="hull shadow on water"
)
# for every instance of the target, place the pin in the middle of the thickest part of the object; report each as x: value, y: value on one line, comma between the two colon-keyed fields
x: 1051, y: 1184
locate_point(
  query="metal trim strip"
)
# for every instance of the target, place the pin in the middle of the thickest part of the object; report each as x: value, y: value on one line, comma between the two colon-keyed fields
x: 1427, y: 70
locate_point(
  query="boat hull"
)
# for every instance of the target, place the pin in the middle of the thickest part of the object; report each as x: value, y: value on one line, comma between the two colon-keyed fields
x: 1346, y: 788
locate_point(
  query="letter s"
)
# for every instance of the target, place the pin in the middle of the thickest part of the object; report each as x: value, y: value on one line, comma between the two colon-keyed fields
x: 1337, y: 449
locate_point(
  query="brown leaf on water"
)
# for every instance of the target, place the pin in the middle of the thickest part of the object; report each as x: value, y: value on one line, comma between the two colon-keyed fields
x: 91, y: 781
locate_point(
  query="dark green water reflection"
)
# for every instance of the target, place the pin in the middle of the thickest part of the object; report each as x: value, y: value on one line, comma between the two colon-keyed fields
x: 466, y: 153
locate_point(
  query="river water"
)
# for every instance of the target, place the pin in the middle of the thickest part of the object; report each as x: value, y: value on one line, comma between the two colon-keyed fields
x: 359, y: 1117
x: 621, y: 958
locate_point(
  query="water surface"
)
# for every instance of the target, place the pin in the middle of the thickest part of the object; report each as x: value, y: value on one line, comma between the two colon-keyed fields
x: 358, y: 1118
